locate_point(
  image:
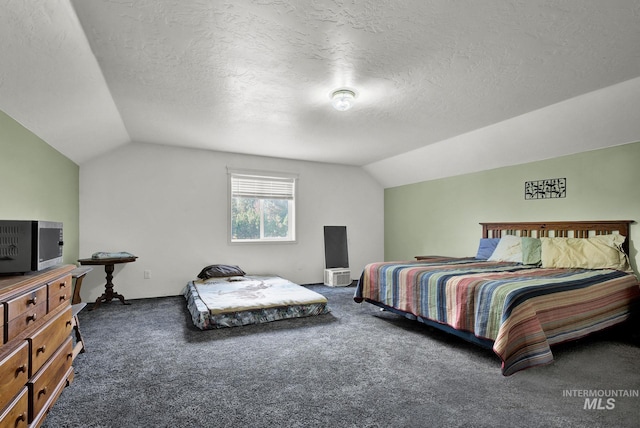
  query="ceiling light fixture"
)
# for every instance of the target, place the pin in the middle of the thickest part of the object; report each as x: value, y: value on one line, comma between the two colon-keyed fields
x: 342, y: 99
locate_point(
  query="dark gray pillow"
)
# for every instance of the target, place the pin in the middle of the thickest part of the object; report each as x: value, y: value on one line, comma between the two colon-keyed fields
x: 220, y: 271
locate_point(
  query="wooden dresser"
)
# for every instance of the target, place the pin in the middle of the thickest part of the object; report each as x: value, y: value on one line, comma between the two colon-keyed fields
x: 36, y: 353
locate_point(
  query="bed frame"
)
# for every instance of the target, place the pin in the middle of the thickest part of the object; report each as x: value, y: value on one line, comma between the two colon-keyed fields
x: 564, y: 229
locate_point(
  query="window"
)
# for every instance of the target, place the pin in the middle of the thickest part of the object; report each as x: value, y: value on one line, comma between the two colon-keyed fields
x: 262, y: 206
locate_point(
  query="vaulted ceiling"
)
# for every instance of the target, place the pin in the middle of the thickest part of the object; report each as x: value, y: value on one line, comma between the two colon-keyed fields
x: 255, y: 77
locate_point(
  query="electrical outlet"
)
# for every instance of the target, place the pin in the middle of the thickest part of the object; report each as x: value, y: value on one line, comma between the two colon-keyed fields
x: 147, y: 274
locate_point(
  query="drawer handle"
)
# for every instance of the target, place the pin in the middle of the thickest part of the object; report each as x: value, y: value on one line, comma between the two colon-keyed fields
x: 32, y: 317
x: 62, y: 298
x: 21, y: 418
x: 41, y: 349
x: 21, y: 369
x: 63, y: 284
x: 32, y: 301
x: 69, y: 323
x: 43, y: 391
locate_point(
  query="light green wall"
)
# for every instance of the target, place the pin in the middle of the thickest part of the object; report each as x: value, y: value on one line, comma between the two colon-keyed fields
x: 442, y: 216
x: 38, y: 183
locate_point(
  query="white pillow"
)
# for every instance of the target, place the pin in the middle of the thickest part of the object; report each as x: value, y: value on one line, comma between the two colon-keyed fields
x: 509, y: 249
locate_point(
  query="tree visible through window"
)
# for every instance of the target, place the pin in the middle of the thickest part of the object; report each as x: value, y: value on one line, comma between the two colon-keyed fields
x: 262, y: 207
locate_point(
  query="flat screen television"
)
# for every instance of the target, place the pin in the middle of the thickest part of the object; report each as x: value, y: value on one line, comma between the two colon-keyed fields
x: 29, y: 245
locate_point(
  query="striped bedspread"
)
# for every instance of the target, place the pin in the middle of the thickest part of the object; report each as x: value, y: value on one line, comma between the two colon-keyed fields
x: 522, y: 309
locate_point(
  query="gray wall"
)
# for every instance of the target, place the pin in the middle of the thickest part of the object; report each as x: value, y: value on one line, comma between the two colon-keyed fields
x: 169, y: 206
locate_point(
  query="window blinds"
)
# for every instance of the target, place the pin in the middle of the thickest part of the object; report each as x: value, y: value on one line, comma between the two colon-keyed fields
x: 262, y: 187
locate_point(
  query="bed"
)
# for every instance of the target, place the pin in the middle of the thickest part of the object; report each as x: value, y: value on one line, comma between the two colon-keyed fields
x: 232, y: 301
x: 518, y: 303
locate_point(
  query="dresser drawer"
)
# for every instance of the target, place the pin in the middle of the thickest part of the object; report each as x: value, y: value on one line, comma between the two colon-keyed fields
x: 59, y: 299
x: 45, y: 384
x: 15, y: 414
x: 59, y: 292
x: 26, y: 302
x: 13, y: 372
x: 17, y: 325
x: 46, y: 341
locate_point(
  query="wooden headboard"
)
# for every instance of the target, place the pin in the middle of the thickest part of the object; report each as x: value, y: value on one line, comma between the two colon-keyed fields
x: 565, y: 229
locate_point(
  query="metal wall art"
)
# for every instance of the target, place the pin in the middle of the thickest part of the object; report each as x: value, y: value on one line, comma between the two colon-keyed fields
x: 546, y: 189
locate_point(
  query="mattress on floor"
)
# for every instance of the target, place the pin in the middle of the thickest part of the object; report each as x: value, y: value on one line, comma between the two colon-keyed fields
x: 231, y: 302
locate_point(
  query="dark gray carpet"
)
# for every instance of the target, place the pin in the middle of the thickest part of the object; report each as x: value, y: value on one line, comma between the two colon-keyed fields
x: 146, y: 365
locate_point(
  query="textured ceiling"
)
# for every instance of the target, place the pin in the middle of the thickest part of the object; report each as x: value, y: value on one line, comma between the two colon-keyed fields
x: 255, y: 76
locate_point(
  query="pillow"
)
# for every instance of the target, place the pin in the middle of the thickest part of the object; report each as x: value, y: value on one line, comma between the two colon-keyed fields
x: 509, y: 249
x: 531, y: 251
x: 220, y: 271
x: 486, y: 248
x: 597, y: 252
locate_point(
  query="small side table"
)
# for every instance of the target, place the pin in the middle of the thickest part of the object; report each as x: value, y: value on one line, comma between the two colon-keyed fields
x: 79, y: 346
x: 78, y: 274
x: 109, y: 266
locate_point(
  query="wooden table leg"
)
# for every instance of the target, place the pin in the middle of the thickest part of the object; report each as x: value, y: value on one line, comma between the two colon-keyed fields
x: 109, y: 294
